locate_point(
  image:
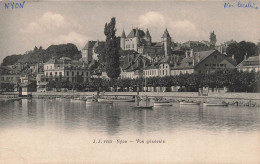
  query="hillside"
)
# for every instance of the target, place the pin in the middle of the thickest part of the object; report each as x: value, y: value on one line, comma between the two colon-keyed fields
x: 43, y: 55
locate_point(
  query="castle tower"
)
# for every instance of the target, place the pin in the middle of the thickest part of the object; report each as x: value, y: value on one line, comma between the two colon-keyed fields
x: 213, y: 39
x: 122, y: 40
x: 148, y: 37
x: 137, y: 36
x: 166, y: 41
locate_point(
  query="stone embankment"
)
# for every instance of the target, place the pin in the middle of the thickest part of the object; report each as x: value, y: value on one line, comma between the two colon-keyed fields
x: 232, y: 98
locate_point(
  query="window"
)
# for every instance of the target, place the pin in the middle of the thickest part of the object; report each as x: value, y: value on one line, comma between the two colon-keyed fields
x: 67, y: 73
x: 82, y: 73
x: 46, y: 73
x: 86, y: 73
x: 77, y: 73
x: 72, y: 73
x: 47, y: 67
x: 50, y: 73
x: 60, y: 73
x: 55, y: 73
x: 206, y: 64
x: 214, y: 64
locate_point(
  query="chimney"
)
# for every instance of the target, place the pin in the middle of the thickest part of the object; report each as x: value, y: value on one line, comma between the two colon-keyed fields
x: 191, y: 53
x: 186, y: 53
x: 198, y: 57
x: 245, y: 56
x: 128, y: 56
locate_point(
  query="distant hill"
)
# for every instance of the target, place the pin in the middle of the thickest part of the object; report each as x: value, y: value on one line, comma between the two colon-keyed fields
x: 42, y: 55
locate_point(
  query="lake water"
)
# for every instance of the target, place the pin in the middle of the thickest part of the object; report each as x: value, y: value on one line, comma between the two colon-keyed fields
x: 59, y: 131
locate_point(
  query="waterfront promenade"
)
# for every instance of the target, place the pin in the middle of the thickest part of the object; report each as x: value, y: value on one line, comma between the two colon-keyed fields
x: 232, y: 98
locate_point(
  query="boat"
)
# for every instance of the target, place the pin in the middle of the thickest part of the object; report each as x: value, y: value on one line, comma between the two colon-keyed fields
x: 76, y: 99
x: 214, y: 104
x: 189, y: 103
x: 142, y: 107
x: 14, y: 99
x: 162, y: 103
x: 116, y: 100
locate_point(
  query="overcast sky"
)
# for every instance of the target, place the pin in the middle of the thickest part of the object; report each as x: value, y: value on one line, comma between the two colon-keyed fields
x: 55, y: 22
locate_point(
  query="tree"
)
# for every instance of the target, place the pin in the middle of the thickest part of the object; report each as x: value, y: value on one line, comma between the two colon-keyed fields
x: 101, y: 51
x: 7, y: 87
x: 111, y: 50
x: 51, y: 84
x: 239, y: 50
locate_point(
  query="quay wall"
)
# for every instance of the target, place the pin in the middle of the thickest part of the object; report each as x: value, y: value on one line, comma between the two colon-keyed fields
x: 233, y: 98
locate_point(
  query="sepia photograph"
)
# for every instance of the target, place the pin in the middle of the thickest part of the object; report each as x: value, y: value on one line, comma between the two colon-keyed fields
x: 143, y: 81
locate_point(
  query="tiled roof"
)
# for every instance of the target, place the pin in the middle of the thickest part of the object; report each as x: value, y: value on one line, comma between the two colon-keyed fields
x: 65, y: 58
x: 188, y: 62
x: 157, y: 44
x: 151, y: 67
x: 249, y: 59
x: 232, y: 61
x: 89, y: 44
x: 252, y: 58
x: 133, y: 33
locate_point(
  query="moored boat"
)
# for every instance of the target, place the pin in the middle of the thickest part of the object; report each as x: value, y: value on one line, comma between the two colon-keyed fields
x: 142, y: 107
x: 162, y: 103
x: 76, y: 99
x: 189, y: 103
x: 14, y: 99
x: 116, y: 100
x: 215, y: 104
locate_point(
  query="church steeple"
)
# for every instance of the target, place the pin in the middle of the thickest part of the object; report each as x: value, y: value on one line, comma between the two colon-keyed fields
x: 213, y: 39
x: 167, y: 42
x: 148, y: 37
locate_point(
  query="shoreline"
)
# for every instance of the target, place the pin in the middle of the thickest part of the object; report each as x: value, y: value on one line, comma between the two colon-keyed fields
x: 231, y: 98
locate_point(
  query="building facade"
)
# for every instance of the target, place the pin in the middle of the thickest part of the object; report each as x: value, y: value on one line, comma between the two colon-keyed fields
x: 203, y: 62
x: 249, y: 64
x: 66, y: 69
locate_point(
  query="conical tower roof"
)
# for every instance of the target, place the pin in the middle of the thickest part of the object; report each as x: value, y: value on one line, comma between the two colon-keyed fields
x: 166, y: 34
x: 147, y: 34
x: 123, y: 34
x: 137, y: 32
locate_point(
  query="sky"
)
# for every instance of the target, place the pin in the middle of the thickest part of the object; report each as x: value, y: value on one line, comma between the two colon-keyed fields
x: 43, y: 23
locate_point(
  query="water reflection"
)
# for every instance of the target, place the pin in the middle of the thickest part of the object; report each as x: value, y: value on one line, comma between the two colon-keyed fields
x: 121, y: 118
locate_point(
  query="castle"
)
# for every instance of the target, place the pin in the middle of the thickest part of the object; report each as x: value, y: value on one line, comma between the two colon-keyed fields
x: 141, y: 41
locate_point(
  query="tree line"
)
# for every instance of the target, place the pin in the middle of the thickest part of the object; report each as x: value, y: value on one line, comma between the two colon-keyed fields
x: 234, y: 80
